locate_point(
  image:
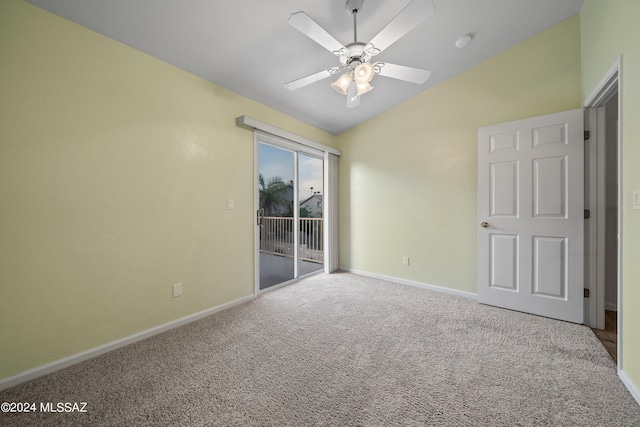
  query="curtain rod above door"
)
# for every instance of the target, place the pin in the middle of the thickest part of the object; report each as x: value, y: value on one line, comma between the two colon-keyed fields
x: 273, y: 130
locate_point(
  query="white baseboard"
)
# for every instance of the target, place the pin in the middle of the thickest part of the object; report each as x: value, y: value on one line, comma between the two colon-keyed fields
x: 611, y: 306
x: 412, y: 283
x: 56, y: 365
x: 635, y: 392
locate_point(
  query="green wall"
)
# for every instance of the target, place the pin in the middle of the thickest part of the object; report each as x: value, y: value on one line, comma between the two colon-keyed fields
x: 608, y: 32
x: 115, y: 169
x: 408, y: 178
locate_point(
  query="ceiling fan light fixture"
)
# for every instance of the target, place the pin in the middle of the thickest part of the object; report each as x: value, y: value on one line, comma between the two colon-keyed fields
x: 342, y: 84
x: 363, y: 73
x: 363, y: 88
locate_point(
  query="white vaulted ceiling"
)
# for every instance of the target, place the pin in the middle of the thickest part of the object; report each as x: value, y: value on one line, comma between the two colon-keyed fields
x: 247, y: 46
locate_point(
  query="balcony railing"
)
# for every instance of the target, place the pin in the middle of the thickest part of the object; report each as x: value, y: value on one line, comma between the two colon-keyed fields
x: 276, y: 237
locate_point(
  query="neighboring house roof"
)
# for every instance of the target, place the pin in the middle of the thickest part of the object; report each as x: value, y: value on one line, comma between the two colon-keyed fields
x: 317, y: 196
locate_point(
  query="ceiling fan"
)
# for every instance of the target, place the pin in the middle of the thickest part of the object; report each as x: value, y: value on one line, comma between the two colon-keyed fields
x: 355, y: 58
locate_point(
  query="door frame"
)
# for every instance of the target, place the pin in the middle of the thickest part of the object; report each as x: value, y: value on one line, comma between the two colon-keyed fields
x: 609, y: 85
x: 330, y: 199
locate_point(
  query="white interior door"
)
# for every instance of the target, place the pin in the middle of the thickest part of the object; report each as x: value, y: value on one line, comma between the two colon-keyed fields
x: 531, y: 215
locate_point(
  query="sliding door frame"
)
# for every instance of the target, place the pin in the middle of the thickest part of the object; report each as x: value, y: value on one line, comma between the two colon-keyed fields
x: 261, y: 137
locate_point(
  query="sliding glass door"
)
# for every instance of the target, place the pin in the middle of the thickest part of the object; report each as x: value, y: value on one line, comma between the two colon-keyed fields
x: 289, y: 217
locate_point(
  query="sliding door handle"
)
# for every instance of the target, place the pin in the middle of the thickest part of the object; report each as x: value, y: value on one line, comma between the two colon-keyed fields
x: 259, y: 216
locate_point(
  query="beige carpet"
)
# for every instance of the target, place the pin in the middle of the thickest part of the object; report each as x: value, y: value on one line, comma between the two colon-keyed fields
x: 344, y: 350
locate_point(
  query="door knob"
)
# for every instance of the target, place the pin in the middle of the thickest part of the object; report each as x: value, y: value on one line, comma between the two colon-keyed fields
x: 484, y: 224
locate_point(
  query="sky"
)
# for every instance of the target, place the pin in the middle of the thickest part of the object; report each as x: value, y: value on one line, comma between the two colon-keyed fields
x: 279, y: 162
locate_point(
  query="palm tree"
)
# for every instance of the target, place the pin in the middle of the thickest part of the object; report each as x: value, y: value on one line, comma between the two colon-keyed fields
x: 272, y: 195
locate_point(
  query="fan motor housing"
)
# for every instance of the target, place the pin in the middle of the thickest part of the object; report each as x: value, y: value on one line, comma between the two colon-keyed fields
x: 356, y: 54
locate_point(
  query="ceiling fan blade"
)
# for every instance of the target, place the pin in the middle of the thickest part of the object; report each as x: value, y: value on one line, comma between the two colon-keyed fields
x: 310, y: 28
x: 409, y: 18
x: 402, y: 72
x: 304, y: 81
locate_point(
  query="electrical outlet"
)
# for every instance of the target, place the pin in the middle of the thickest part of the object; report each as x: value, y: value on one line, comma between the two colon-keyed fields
x: 405, y: 260
x: 636, y: 199
x: 177, y: 290
x: 230, y: 204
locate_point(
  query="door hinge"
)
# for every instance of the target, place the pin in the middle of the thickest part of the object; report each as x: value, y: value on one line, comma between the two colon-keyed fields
x: 586, y: 293
x: 587, y: 214
x: 587, y: 135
